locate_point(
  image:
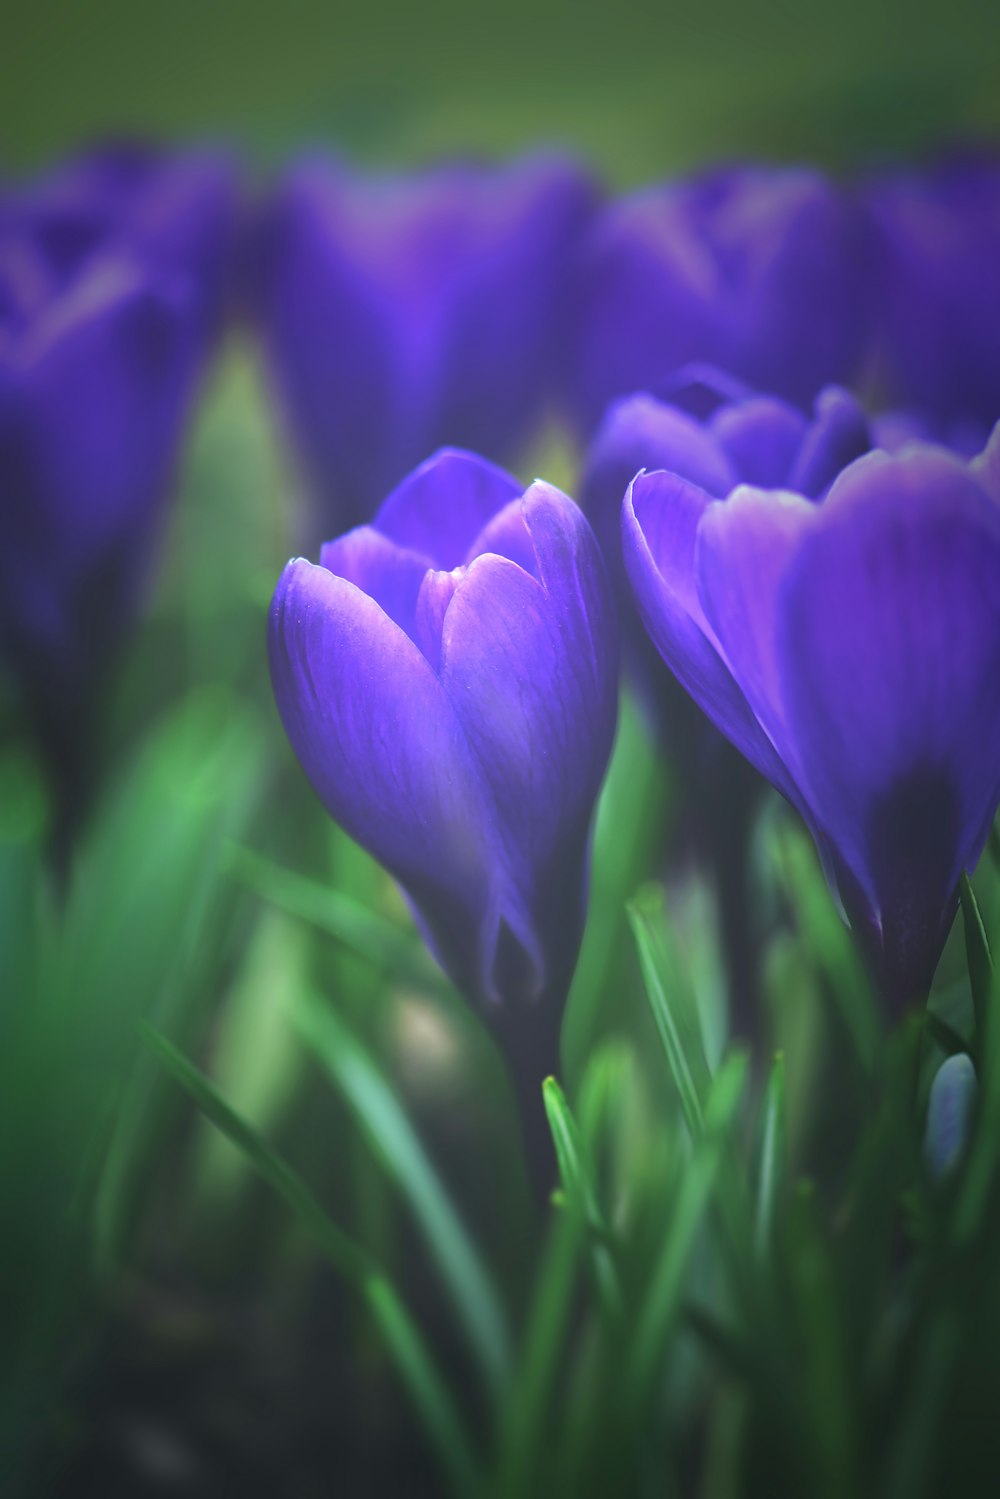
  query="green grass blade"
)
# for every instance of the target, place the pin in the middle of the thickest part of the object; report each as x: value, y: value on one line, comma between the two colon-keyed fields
x: 402, y: 1338
x: 396, y: 1145
x: 662, y: 1302
x: 527, y: 1414
x: 828, y: 938
x: 830, y: 1382
x: 581, y: 1192
x: 771, y: 1167
x: 980, y: 958
x: 671, y: 1005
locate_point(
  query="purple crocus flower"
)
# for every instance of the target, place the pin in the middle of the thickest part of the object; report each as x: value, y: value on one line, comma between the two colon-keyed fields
x: 403, y: 314
x: 110, y: 275
x: 937, y: 261
x: 851, y: 650
x: 718, y: 434
x: 447, y: 677
x: 758, y: 270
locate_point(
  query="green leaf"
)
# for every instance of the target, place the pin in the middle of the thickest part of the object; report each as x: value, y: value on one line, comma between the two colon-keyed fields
x: 771, y: 1165
x: 661, y: 1304
x: 828, y: 938
x: 830, y: 1385
x: 628, y: 831
x: 672, y: 1005
x: 526, y: 1419
x: 403, y: 1340
x: 980, y: 958
x: 396, y: 1145
x: 581, y: 1194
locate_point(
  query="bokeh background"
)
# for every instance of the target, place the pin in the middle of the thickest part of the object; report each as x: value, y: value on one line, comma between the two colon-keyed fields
x: 639, y: 88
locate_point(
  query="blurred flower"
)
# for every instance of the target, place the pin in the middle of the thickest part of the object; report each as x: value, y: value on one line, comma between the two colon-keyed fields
x: 758, y: 270
x: 447, y: 677
x: 851, y: 650
x: 110, y: 282
x: 937, y: 257
x: 402, y: 314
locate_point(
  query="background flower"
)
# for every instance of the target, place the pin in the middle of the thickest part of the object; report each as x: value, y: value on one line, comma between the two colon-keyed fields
x: 399, y: 314
x: 111, y: 277
x: 937, y: 265
x: 759, y: 270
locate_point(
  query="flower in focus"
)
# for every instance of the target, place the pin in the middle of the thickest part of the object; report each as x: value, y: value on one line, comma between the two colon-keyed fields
x: 110, y: 281
x: 851, y: 650
x: 736, y: 437
x: 757, y: 270
x: 447, y: 677
x: 937, y: 258
x: 403, y: 314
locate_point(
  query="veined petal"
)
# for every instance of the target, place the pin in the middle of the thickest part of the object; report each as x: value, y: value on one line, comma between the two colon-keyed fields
x: 390, y: 574
x: 743, y: 549
x: 526, y: 662
x: 888, y: 651
x: 383, y: 748
x: 440, y: 509
x: 661, y: 519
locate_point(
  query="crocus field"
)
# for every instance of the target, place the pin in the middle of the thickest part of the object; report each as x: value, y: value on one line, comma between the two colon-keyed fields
x: 500, y: 760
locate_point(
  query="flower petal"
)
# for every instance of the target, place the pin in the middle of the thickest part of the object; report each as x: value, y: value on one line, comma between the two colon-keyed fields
x: 761, y: 437
x: 440, y: 509
x: 524, y: 726
x: 888, y: 650
x: 380, y: 743
x: 661, y: 519
x: 838, y: 434
x: 390, y: 574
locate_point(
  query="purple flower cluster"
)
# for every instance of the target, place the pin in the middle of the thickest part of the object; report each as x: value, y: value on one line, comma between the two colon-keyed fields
x: 112, y: 277
x: 824, y: 584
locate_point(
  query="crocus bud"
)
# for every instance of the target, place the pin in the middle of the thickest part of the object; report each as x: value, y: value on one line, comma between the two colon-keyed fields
x: 937, y: 267
x: 850, y: 649
x: 447, y: 677
x: 950, y: 1111
x: 402, y: 314
x: 758, y: 270
x: 106, y: 308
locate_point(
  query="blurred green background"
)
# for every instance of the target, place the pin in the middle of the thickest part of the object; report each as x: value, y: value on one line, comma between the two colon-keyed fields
x: 638, y: 87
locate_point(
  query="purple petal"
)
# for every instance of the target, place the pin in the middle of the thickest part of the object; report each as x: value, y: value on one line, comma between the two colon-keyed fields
x: 404, y: 314
x: 888, y: 651
x: 838, y: 434
x: 661, y: 520
x: 524, y: 725
x: 380, y: 743
x: 700, y: 389
x: 642, y: 433
x: 440, y: 509
x: 938, y: 246
x: 743, y: 549
x: 508, y: 536
x: 986, y: 466
x: 761, y: 437
x: 436, y: 593
x: 390, y: 574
